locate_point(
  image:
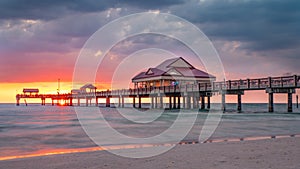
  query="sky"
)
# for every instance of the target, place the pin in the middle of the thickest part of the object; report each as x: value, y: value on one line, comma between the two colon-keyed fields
x: 40, y: 41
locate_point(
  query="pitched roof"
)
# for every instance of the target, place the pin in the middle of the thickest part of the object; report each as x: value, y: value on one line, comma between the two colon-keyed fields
x: 88, y: 86
x: 173, y: 67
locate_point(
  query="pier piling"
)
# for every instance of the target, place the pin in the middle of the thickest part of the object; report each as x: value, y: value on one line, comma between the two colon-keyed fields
x: 133, y: 102
x: 18, y: 101
x: 188, y: 101
x: 107, y: 102
x: 208, y: 102
x: 223, y: 102
x: 140, y: 101
x: 161, y: 102
x: 174, y: 102
x: 202, y: 102
x: 170, y: 102
x: 290, y: 102
x: 239, y: 107
x: 271, y: 102
x: 297, y: 103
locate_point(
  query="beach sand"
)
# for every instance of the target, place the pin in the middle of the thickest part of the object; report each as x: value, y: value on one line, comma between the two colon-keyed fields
x: 278, y: 153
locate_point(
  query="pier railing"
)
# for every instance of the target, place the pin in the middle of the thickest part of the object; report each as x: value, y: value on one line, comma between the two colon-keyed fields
x: 242, y: 84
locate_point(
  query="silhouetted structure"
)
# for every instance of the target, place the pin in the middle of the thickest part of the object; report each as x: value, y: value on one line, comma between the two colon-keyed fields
x: 157, y: 85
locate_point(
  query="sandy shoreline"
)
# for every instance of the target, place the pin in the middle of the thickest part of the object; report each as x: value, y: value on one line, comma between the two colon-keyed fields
x: 273, y: 153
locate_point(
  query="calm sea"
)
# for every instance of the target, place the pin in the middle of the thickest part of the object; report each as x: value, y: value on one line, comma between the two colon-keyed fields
x: 35, y: 128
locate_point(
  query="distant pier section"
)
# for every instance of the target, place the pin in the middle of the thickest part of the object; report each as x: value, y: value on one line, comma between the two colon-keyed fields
x: 181, y: 84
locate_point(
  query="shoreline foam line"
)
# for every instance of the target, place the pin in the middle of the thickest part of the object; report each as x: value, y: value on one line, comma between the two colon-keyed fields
x: 134, y: 146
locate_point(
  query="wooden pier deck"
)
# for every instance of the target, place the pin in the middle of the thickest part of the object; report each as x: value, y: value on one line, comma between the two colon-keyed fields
x: 190, y: 95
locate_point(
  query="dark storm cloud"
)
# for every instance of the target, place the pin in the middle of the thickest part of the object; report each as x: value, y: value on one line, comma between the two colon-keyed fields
x: 263, y: 24
x: 247, y: 32
x: 52, y: 9
x: 151, y: 4
x: 48, y: 9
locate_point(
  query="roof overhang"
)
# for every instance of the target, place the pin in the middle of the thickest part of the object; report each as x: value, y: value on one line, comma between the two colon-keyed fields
x: 174, y: 78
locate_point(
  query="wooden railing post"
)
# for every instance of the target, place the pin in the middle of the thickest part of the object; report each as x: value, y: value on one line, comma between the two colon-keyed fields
x: 295, y: 80
x: 270, y: 82
x: 248, y: 83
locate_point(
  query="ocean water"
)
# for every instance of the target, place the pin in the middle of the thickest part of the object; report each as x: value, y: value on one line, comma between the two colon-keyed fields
x: 34, y: 128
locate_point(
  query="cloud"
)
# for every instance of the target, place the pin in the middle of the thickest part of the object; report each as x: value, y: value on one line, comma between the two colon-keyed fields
x: 263, y: 24
x: 250, y: 35
x: 49, y: 9
x: 53, y: 9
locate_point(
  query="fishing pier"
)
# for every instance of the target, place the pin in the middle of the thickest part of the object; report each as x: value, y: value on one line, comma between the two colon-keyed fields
x: 191, y: 96
x: 175, y: 84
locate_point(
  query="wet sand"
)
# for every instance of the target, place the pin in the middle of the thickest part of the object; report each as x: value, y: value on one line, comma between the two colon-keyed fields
x: 272, y: 153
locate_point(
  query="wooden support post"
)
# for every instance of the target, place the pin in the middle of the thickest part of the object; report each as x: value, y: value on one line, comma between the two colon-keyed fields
x: 223, y: 101
x: 270, y: 82
x: 86, y: 102
x: 239, y: 99
x: 18, y: 102
x: 271, y: 103
x: 195, y: 102
x: 183, y: 101
x: 43, y: 101
x: 188, y: 102
x: 178, y: 106
x: 155, y: 102
x: 107, y: 101
x: 297, y: 103
x: 170, y: 102
x: 152, y: 102
x: 133, y: 102
x: 78, y: 102
x: 161, y: 100
x: 122, y: 102
x: 97, y: 101
x: 119, y: 101
x: 174, y: 102
x: 248, y: 83
x: 290, y: 102
x: 71, y: 102
x: 208, y: 102
x: 202, y: 102
x: 140, y: 101
x: 52, y: 102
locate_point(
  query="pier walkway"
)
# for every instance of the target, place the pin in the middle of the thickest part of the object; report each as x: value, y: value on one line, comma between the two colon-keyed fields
x: 192, y: 96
